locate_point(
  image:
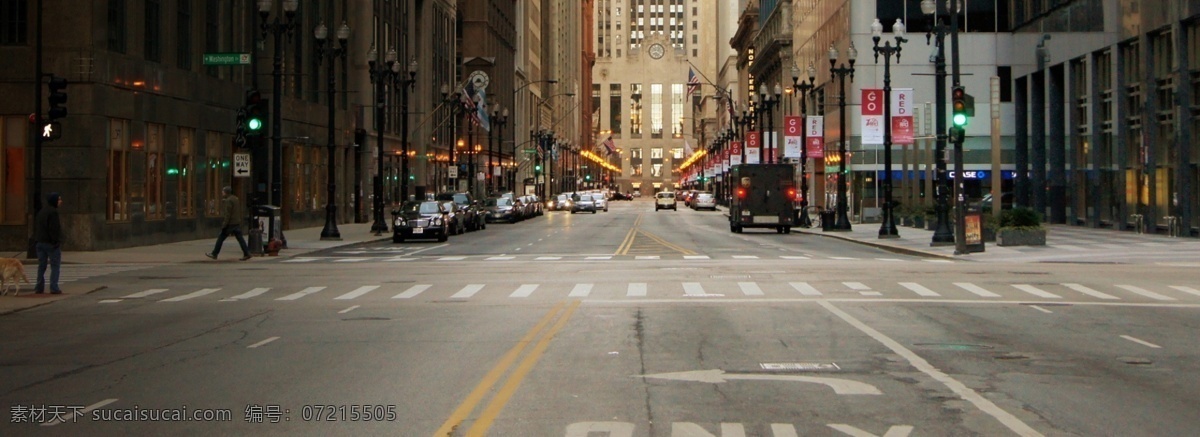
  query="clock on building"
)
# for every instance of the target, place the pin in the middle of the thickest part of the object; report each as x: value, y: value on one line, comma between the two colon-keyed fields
x: 656, y: 51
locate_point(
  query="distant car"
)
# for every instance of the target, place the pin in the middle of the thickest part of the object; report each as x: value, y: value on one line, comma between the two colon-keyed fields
x: 473, y: 216
x: 425, y: 219
x: 704, y: 200
x: 601, y: 202
x: 500, y: 209
x: 455, y: 224
x: 583, y: 203
x: 620, y: 196
x: 665, y: 200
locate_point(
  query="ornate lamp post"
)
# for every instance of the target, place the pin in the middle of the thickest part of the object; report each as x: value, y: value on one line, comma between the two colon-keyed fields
x: 769, y: 103
x: 330, y: 231
x: 381, y: 73
x: 803, y: 88
x: 888, y: 228
x: 942, y: 235
x: 843, y: 220
x: 277, y: 28
x: 499, y: 119
x: 406, y: 84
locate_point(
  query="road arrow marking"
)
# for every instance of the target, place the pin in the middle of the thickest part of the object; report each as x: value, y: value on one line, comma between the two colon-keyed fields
x: 717, y: 376
x: 895, y: 431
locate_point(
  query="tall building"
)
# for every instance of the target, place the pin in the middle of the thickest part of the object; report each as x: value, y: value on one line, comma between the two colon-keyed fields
x: 488, y: 44
x: 645, y: 51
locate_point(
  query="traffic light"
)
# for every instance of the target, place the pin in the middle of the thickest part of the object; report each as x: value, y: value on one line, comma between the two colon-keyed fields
x: 587, y: 177
x: 57, y: 98
x: 537, y: 169
x: 963, y: 106
x: 256, y: 113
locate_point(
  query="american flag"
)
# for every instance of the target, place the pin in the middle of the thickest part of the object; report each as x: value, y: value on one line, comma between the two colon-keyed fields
x: 693, y: 82
x: 609, y: 145
x: 467, y: 98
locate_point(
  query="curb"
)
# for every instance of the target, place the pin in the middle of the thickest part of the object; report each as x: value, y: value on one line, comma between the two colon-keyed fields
x: 888, y: 247
x: 50, y: 301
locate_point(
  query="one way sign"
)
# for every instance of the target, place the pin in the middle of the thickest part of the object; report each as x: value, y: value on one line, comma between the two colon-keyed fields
x: 241, y: 165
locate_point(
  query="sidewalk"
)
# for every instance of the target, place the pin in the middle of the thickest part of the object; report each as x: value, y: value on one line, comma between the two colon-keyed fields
x: 300, y: 241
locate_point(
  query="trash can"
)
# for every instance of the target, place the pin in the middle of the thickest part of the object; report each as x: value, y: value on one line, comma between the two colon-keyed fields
x: 268, y: 218
x: 827, y: 218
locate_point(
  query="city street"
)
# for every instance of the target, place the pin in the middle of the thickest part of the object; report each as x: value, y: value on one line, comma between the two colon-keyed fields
x: 630, y: 322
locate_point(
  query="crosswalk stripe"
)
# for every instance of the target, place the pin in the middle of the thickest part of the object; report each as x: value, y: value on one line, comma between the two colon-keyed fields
x: 870, y: 293
x: 889, y: 259
x: 939, y: 261
x: 500, y: 258
x: 750, y: 288
x: 693, y: 289
x: 696, y: 257
x: 982, y: 292
x: 300, y: 260
x: 919, y: 289
x: 647, y: 257
x: 467, y: 291
x: 246, y: 295
x: 1090, y: 292
x: 856, y: 286
x: 452, y: 258
x: 357, y: 292
x: 1036, y: 291
x: 524, y: 290
x: 398, y: 259
x: 598, y: 257
x: 581, y: 290
x: 1145, y: 292
x: 636, y: 289
x: 842, y: 258
x: 412, y: 291
x: 745, y: 257
x: 805, y: 289
x: 350, y: 260
x: 301, y: 293
x: 1188, y: 290
x: 194, y: 294
x: 793, y: 257
x: 142, y: 294
x: 548, y: 258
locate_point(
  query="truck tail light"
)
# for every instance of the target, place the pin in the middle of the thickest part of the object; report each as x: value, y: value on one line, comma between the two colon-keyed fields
x: 792, y: 193
x: 741, y: 193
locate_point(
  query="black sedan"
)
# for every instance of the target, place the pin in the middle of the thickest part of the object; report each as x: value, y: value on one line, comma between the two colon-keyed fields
x: 501, y: 209
x: 426, y: 219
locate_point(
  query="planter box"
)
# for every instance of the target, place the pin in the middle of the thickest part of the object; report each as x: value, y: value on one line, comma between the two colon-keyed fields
x: 989, y: 235
x: 931, y: 224
x: 918, y: 222
x: 1021, y: 237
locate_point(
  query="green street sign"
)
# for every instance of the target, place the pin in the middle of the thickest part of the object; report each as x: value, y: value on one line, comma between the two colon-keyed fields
x: 529, y: 150
x: 226, y: 59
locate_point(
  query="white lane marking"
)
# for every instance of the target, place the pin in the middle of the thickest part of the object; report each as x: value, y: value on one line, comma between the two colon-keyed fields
x: 397, y: 259
x: 77, y: 414
x: 1141, y: 342
x: 256, y: 345
x: 301, y: 260
x: 452, y: 258
x: 750, y: 288
x: 745, y: 257
x: 693, y: 289
x: 793, y: 257
x: 890, y: 259
x: 357, y: 292
x: 427, y: 248
x: 499, y: 258
x: 348, y: 309
x: 646, y: 257
x: 805, y: 289
x: 301, y: 293
x: 246, y: 295
x: 1036, y: 291
x: 350, y: 260
x: 893, y: 431
x: 856, y: 286
x: 194, y: 294
x: 636, y: 289
x: 980, y: 402
x: 525, y: 290
x: 842, y: 258
x: 980, y: 291
x: 1145, y: 292
x: 1041, y: 309
x: 1090, y: 292
x: 1184, y: 289
x: 919, y: 289
x: 142, y: 294
x: 870, y: 293
x: 581, y: 290
x: 467, y: 291
x: 696, y: 257
x: 111, y: 301
x: 412, y: 291
x: 548, y: 258
x: 598, y: 257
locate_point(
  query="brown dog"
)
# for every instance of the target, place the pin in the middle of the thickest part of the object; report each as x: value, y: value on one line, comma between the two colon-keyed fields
x: 10, y: 271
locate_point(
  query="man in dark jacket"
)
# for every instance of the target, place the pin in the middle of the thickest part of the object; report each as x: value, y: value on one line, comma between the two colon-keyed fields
x: 47, y: 231
x: 231, y: 225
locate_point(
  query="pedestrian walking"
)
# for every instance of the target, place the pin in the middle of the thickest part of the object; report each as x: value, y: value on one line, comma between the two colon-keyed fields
x: 230, y: 207
x: 48, y: 233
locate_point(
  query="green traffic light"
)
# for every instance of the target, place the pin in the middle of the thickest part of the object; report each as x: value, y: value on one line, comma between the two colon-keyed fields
x: 960, y: 119
x: 254, y: 124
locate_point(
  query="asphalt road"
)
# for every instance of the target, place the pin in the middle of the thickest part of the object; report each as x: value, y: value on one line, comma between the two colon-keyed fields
x: 626, y: 323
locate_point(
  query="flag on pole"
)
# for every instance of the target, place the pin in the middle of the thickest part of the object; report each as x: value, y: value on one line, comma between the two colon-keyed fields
x: 687, y: 149
x: 609, y: 145
x: 467, y: 98
x: 481, y: 116
x: 693, y: 82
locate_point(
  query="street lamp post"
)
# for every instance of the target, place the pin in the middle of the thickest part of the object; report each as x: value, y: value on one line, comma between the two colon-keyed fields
x: 380, y: 74
x: 769, y: 103
x: 330, y: 231
x: 942, y: 235
x: 888, y: 228
x: 842, y: 223
x: 803, y: 87
x: 406, y: 84
x: 499, y: 118
x: 277, y: 28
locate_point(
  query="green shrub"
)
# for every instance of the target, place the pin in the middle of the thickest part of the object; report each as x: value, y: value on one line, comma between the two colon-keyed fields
x: 1020, y: 218
x: 990, y: 221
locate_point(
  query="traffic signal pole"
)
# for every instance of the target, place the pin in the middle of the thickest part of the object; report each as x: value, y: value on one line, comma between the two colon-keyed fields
x: 31, y: 251
x: 960, y: 196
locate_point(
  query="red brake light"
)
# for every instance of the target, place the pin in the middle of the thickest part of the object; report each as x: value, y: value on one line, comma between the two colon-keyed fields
x: 741, y: 193
x: 792, y: 193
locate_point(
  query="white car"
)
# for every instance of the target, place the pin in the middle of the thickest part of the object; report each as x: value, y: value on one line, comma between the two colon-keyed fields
x: 601, y: 202
x: 665, y: 200
x: 704, y: 201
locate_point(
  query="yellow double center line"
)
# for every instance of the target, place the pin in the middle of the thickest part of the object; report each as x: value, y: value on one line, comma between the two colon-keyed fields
x: 489, y: 413
x: 623, y: 249
x: 627, y: 244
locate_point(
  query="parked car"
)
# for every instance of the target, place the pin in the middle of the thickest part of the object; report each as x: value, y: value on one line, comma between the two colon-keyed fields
x: 665, y: 200
x: 455, y: 222
x: 620, y: 196
x: 601, y: 202
x: 424, y: 219
x: 501, y: 209
x: 562, y: 202
x: 704, y: 200
x: 473, y: 215
x: 583, y: 203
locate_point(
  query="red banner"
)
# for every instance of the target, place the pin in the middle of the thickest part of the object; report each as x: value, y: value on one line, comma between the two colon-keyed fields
x: 816, y: 136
